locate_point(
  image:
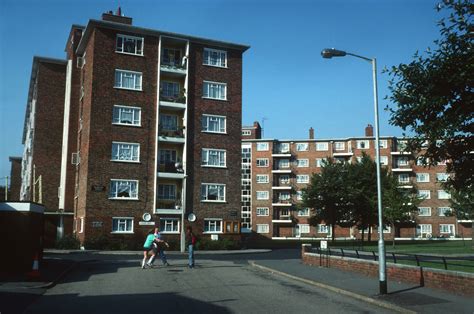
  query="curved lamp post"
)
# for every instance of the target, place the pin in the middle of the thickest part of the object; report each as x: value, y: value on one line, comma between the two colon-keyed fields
x: 328, y: 53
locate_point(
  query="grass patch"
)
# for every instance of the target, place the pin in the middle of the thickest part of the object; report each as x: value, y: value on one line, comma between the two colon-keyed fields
x: 463, y: 266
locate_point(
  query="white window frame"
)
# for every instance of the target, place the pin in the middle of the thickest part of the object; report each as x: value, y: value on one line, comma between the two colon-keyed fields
x: 443, y: 195
x: 284, y: 179
x: 442, y: 226
x: 384, y: 160
x: 219, y: 121
x: 302, y: 178
x: 363, y: 144
x: 383, y: 143
x: 220, y: 92
x: 304, y: 228
x: 303, y: 212
x: 424, y: 229
x: 422, y: 177
x: 339, y: 146
x: 169, y: 222
x: 322, y: 146
x: 220, y: 154
x: 299, y: 195
x: 138, y: 50
x: 403, y: 178
x: 131, y: 183
x: 262, y: 211
x: 136, y: 113
x: 302, y: 147
x: 136, y: 76
x: 442, y: 210
x: 121, y: 221
x: 262, y: 178
x: 220, y: 57
x: 442, y: 177
x: 424, y: 194
x: 168, y: 192
x: 262, y: 146
x: 260, y: 160
x: 319, y: 162
x: 426, y: 214
x: 221, y: 192
x: 302, y: 163
x: 215, y: 223
x: 284, y: 196
x: 402, y: 161
x: 283, y: 164
x: 263, y: 228
x: 123, y: 146
x: 262, y: 195
x: 323, y: 228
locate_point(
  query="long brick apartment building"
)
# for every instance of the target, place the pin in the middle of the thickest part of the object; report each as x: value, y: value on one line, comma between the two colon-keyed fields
x: 274, y: 172
x: 136, y: 128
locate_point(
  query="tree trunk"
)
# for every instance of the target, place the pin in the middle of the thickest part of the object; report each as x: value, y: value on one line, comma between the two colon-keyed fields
x: 369, y: 234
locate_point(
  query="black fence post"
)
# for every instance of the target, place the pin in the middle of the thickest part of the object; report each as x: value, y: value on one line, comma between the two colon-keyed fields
x: 394, y: 258
x: 342, y: 252
x: 357, y: 253
x: 417, y: 261
x: 444, y: 262
x: 373, y: 253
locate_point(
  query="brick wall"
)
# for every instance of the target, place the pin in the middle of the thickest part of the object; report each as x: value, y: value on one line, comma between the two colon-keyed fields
x: 456, y: 282
x: 15, y: 177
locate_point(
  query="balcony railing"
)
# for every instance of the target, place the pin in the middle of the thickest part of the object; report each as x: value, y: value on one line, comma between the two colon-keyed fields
x: 172, y: 133
x: 172, y: 65
x: 175, y: 99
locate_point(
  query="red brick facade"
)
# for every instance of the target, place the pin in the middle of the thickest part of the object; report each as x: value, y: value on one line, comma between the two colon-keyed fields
x: 15, y: 179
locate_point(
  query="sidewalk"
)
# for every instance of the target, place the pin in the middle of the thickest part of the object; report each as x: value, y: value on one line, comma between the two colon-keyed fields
x: 401, y: 297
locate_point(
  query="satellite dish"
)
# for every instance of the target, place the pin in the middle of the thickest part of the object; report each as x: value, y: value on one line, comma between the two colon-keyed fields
x: 146, y: 217
x: 191, y: 217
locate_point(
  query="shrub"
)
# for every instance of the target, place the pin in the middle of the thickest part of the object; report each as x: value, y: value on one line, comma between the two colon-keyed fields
x: 223, y: 244
x: 68, y: 242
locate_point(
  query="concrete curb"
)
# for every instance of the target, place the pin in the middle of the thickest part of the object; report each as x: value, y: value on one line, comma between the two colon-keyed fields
x: 196, y: 252
x: 353, y: 295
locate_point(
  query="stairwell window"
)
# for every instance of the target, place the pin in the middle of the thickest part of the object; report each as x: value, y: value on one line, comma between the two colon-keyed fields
x: 212, y: 192
x: 214, y: 57
x: 125, y: 152
x: 123, y: 189
x: 214, y: 90
x: 129, y: 45
x: 122, y: 225
x: 128, y: 80
x: 125, y: 115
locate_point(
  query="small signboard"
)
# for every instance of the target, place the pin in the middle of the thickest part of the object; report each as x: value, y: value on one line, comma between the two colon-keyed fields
x: 146, y: 223
x: 97, y: 224
x: 98, y: 188
x: 324, y: 245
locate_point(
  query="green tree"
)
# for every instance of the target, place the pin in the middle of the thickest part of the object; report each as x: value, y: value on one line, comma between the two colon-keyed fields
x: 328, y: 194
x: 433, y: 97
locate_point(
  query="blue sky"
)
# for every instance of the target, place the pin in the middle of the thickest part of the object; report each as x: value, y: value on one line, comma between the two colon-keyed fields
x: 285, y: 80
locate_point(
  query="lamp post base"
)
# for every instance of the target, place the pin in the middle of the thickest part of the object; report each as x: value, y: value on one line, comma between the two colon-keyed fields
x: 383, y: 287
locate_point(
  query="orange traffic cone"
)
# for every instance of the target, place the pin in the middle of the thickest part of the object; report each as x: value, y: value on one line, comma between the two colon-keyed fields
x: 34, y: 273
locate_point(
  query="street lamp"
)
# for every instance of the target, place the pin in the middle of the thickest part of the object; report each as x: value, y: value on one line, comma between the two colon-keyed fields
x: 328, y: 53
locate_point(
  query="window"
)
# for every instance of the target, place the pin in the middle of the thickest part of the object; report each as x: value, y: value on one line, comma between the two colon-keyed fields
x: 125, y: 152
x: 422, y: 177
x: 212, y: 192
x: 322, y: 146
x: 262, y: 195
x: 171, y: 57
x: 441, y: 163
x: 402, y: 161
x: 246, y: 132
x: 262, y: 228
x: 303, y: 212
x: 123, y: 189
x: 403, y: 178
x: 443, y: 228
x: 262, y: 162
x: 299, y: 195
x: 262, y: 146
x: 122, y: 225
x: 387, y: 229
x: 424, y: 211
x: 283, y: 147
x: 384, y: 160
x: 262, y: 178
x: 402, y: 145
x: 301, y: 147
x: 128, y: 80
x: 424, y: 194
x: 304, y: 228
x: 303, y: 162
x: 169, y: 225
x: 444, y: 211
x: 284, y: 163
x: 443, y: 195
x: 421, y: 161
x: 323, y: 228
x: 214, y: 90
x: 284, y: 196
x: 212, y: 226
x: 126, y: 115
x: 362, y: 144
x: 285, y: 179
x: 262, y: 211
x: 129, y: 44
x: 166, y: 191
x: 423, y: 229
x: 167, y: 156
x: 339, y: 145
x: 214, y: 124
x: 169, y: 90
x: 213, y: 57
x: 320, y: 161
x: 442, y: 177
x: 302, y: 178
x: 383, y: 143
x: 213, y: 157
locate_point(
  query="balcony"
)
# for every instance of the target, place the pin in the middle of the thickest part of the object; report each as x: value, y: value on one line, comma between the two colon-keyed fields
x: 173, y: 69
x: 282, y: 202
x: 343, y: 152
x: 281, y: 186
x: 169, y: 100
x: 172, y: 136
x: 168, y: 207
x: 281, y: 153
x: 282, y: 216
x: 171, y: 170
x: 406, y: 169
x: 279, y: 169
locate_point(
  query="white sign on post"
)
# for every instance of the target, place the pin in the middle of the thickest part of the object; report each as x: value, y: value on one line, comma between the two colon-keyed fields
x: 324, y: 245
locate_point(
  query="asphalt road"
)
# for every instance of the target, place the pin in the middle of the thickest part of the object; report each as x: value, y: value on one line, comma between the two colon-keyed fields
x: 218, y: 284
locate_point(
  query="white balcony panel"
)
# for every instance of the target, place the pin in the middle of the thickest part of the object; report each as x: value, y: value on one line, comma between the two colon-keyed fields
x: 402, y: 169
x: 171, y: 175
x: 168, y: 211
x: 172, y: 105
x: 169, y: 139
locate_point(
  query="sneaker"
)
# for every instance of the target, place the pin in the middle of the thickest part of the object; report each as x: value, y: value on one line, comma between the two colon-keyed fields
x: 167, y: 264
x: 149, y: 265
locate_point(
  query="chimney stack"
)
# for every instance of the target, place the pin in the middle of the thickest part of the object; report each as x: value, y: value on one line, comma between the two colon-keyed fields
x: 311, y: 133
x: 258, y: 130
x: 118, y: 17
x: 369, y: 130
